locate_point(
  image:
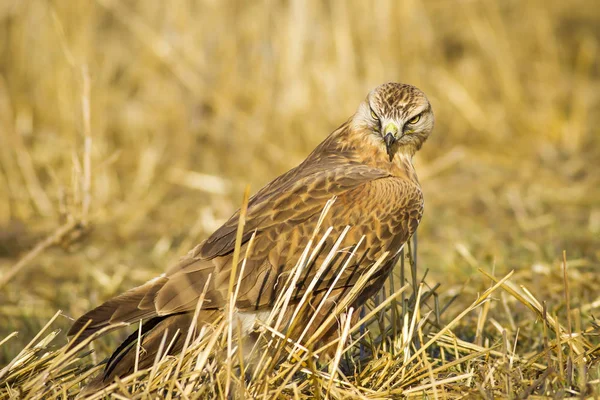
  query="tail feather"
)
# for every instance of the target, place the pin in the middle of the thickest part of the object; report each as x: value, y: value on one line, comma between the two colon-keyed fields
x: 123, y: 358
x: 122, y: 361
x: 129, y: 307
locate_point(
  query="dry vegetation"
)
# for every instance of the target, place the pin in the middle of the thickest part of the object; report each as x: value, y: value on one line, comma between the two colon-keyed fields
x: 129, y: 130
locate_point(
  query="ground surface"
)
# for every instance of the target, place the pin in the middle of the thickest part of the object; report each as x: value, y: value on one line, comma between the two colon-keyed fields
x: 183, y: 104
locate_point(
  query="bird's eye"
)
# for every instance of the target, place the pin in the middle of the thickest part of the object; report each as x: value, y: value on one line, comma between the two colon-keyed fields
x: 374, y: 116
x: 414, y: 119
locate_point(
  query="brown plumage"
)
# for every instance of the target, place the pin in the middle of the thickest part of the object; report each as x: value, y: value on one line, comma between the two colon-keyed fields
x: 365, y: 163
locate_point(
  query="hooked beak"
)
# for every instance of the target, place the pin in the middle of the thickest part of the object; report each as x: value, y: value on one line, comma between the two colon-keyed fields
x: 390, y: 137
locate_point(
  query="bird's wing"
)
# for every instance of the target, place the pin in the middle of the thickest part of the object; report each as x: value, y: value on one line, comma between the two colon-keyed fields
x: 283, y: 221
x: 382, y: 212
x: 290, y: 200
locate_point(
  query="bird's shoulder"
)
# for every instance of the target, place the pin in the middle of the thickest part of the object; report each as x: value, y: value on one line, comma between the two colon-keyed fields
x: 393, y: 200
x: 294, y: 196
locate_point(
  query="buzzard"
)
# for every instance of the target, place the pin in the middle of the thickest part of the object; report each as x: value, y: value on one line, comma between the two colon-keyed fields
x: 365, y: 164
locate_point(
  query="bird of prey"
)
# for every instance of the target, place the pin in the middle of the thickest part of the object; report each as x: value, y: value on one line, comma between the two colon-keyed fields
x: 366, y: 164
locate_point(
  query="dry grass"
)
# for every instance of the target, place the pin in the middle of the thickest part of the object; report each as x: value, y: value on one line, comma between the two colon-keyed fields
x: 129, y: 130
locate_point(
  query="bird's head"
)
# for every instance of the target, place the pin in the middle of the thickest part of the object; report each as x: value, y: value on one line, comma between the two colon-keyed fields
x: 397, y: 117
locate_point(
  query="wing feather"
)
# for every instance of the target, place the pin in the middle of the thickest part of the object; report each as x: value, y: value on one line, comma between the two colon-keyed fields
x: 283, y: 215
x: 295, y: 201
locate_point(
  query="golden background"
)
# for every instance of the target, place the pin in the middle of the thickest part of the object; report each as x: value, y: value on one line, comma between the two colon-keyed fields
x: 184, y: 103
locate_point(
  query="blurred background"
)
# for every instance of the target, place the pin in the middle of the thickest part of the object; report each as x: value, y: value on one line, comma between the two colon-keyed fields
x: 136, y: 125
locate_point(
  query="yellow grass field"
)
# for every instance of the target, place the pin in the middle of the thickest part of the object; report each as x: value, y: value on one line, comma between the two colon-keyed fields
x: 130, y: 129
